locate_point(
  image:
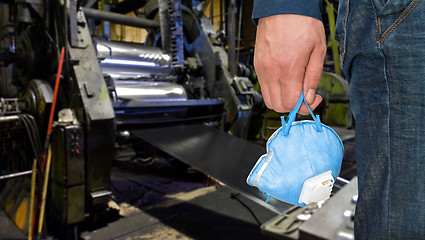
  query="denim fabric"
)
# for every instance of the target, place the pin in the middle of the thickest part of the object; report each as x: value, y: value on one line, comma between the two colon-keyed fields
x: 383, y: 53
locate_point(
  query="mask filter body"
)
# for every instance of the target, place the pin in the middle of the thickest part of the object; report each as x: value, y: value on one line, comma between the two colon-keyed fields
x: 303, y: 160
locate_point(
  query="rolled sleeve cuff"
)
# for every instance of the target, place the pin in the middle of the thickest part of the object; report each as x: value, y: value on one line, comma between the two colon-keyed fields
x: 266, y: 8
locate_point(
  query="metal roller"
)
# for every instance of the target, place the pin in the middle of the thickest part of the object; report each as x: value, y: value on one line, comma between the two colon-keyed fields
x: 149, y: 91
x: 122, y: 60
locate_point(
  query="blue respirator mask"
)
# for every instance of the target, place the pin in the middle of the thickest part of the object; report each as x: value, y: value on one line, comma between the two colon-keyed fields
x: 303, y: 160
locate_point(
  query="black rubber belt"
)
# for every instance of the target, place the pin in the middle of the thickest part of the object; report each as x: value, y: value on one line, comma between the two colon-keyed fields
x: 224, y: 157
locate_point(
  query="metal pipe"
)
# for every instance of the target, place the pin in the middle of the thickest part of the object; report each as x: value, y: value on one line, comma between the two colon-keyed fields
x: 239, y: 32
x: 164, y: 19
x: 18, y: 174
x: 120, y: 19
x: 221, y: 16
x: 5, y: 119
x: 212, y: 12
x: 231, y: 38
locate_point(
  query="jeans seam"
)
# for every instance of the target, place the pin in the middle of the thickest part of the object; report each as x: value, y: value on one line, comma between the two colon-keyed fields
x: 388, y: 147
x: 403, y: 16
x: 344, y: 24
x: 377, y: 23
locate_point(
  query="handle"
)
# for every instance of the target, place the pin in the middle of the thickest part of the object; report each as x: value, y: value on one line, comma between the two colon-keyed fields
x: 291, y: 118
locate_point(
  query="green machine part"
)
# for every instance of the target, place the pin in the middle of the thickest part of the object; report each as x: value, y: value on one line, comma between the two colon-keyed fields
x: 335, y: 110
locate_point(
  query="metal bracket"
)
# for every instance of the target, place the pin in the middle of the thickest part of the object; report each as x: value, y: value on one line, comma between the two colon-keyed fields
x: 9, y: 106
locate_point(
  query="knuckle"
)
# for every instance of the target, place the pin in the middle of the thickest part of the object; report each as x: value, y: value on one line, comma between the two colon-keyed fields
x: 323, y: 50
x: 279, y: 109
x: 268, y: 104
x: 313, y: 75
x: 261, y: 63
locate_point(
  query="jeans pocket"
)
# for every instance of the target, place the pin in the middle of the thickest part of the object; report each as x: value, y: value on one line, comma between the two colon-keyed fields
x: 391, y: 14
x: 388, y: 7
x: 341, y: 28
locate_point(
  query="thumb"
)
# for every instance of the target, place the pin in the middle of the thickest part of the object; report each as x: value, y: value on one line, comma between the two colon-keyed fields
x: 310, y: 96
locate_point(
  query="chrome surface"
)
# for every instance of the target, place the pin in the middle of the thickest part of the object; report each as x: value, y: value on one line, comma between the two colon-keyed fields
x: 149, y: 91
x: 122, y: 60
x: 13, y: 175
x: 7, y: 119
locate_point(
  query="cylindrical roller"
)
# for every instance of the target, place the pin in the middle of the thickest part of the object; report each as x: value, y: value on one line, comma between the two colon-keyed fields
x: 149, y: 91
x: 123, y: 60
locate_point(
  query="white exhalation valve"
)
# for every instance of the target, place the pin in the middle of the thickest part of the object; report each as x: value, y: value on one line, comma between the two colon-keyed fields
x: 317, y: 188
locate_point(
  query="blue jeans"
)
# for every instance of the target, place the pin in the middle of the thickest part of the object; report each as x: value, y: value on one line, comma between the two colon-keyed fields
x: 382, y: 46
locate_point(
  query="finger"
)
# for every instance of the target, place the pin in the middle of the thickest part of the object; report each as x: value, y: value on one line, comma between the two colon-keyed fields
x: 276, y: 97
x: 292, y: 80
x: 293, y: 83
x: 266, y: 94
x: 312, y: 77
x: 290, y: 92
x: 304, y: 110
x: 261, y: 66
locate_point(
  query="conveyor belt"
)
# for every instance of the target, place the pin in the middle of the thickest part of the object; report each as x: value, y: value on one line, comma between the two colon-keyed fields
x: 224, y: 157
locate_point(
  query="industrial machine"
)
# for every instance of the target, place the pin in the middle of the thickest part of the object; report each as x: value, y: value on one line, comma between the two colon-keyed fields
x: 165, y: 90
x: 181, y: 74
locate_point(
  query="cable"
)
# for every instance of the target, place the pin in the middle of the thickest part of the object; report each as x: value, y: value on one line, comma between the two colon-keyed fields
x: 36, y: 133
x: 33, y: 128
x: 236, y: 196
x: 52, y: 41
x: 34, y: 137
x: 32, y: 131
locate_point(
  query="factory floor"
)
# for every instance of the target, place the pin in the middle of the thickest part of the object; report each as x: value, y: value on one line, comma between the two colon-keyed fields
x: 158, y: 197
x: 155, y: 196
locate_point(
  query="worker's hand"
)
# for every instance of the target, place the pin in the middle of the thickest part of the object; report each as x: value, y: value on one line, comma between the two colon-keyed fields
x: 288, y: 59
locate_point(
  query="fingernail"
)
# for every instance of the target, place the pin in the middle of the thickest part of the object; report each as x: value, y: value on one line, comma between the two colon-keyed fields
x: 311, y: 95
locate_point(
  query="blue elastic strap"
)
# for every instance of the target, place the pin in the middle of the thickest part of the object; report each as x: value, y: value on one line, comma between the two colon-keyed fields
x: 291, y: 118
x: 268, y: 196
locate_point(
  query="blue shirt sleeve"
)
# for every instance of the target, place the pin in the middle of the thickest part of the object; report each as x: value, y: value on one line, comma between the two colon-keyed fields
x: 266, y: 8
